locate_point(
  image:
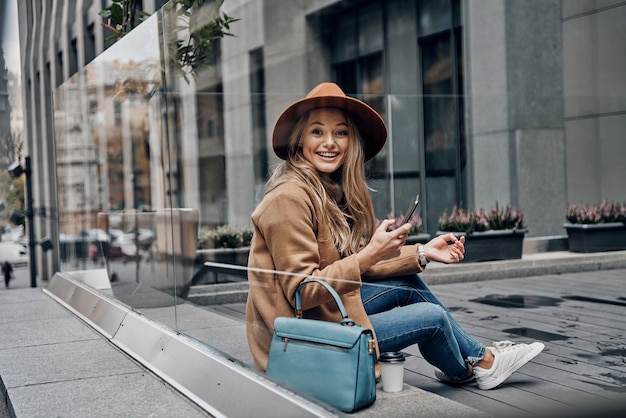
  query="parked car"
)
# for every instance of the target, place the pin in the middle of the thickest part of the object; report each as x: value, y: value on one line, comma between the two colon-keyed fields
x: 13, y: 252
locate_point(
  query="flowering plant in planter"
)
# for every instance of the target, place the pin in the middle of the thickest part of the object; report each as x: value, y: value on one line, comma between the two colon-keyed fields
x: 224, y: 236
x: 596, y: 227
x: 496, y: 234
x: 479, y: 220
x: 605, y: 212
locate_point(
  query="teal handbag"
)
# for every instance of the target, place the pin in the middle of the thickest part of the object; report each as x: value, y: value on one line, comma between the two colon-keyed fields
x: 332, y: 362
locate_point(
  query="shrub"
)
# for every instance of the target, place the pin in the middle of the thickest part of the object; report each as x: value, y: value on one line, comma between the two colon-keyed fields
x: 467, y: 221
x: 507, y: 218
x: 225, y: 236
x: 604, y: 212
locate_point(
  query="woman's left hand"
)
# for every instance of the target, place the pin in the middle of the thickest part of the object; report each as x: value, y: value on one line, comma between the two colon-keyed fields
x: 445, y: 249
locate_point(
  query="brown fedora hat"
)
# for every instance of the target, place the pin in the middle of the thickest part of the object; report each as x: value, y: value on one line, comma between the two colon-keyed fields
x: 371, y: 125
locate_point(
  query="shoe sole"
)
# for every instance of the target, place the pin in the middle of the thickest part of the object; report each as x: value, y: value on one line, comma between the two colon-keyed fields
x: 496, y: 382
x: 455, y: 382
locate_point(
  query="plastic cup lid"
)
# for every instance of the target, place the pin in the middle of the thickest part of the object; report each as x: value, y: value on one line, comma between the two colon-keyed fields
x: 392, y: 357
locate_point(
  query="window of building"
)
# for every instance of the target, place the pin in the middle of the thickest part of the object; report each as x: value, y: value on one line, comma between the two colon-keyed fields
x: 90, y: 43
x: 440, y: 47
x: 359, y: 48
x: 259, y: 131
x: 357, y: 44
x: 73, y: 56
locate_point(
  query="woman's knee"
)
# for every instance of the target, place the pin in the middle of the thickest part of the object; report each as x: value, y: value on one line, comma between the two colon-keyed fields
x: 429, y: 314
x: 435, y: 316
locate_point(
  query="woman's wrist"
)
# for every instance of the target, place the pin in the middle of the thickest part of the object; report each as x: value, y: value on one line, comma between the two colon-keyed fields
x: 364, y: 259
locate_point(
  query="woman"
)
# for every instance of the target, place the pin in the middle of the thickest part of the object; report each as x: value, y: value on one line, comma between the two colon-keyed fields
x: 317, y: 219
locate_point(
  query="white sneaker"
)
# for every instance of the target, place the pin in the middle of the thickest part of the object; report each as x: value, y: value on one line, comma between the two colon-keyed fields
x: 508, y: 357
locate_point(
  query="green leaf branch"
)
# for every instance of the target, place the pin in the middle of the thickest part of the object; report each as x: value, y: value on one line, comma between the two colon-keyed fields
x: 199, y: 26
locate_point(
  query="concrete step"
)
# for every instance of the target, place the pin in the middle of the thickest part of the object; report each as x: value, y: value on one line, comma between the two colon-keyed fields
x: 220, y: 293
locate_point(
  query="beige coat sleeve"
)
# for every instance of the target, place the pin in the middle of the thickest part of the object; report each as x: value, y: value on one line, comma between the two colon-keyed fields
x: 297, y: 243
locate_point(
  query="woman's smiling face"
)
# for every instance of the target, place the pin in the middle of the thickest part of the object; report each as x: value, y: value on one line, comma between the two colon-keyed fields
x: 326, y: 139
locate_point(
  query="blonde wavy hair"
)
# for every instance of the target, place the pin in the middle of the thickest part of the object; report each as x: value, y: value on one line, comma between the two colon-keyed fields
x: 351, y: 218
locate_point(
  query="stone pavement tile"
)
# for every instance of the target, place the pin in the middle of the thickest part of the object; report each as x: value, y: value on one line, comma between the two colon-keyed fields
x: 414, y: 402
x: 59, y: 362
x: 26, y: 305
x: 53, y: 364
x: 40, y: 323
x: 137, y: 394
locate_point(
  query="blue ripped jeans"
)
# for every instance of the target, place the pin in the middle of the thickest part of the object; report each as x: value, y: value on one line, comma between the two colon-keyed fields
x: 403, y: 311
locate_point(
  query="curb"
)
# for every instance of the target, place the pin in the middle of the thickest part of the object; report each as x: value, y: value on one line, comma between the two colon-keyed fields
x: 531, y: 265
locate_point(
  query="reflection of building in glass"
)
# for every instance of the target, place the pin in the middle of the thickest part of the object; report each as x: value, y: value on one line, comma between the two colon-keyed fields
x: 5, y: 112
x: 11, y: 122
x: 103, y: 150
x: 211, y: 148
x: 15, y: 100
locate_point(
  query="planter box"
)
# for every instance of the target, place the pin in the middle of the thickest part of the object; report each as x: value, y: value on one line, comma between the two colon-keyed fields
x: 238, y: 256
x: 213, y: 275
x: 589, y: 238
x: 418, y: 239
x: 493, y: 245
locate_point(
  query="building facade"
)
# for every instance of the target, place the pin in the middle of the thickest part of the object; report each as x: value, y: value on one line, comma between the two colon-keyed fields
x: 520, y: 103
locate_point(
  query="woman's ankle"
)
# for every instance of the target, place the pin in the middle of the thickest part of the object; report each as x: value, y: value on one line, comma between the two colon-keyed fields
x: 487, y: 361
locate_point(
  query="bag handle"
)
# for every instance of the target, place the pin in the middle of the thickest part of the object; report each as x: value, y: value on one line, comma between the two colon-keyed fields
x: 345, y: 320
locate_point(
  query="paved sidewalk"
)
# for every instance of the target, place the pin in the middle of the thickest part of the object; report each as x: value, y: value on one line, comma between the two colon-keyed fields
x: 53, y: 364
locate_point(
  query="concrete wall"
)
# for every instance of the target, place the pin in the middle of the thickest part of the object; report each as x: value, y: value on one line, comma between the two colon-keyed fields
x: 238, y: 134
x: 515, y: 108
x: 594, y: 74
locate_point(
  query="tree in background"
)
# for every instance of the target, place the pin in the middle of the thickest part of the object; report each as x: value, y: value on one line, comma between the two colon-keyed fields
x: 11, y: 190
x: 200, y: 23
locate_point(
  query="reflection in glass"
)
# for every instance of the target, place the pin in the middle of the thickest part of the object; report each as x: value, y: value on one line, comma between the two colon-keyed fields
x: 442, y: 83
x: 141, y: 163
x: 358, y: 65
x: 147, y: 158
x: 104, y: 115
x: 434, y: 16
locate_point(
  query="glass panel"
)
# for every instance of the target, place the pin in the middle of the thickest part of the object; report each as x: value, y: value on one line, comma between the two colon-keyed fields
x: 111, y: 172
x: 345, y: 74
x: 160, y: 168
x: 460, y: 101
x: 440, y: 119
x: 371, y: 90
x: 210, y: 164
x: 370, y: 29
x: 439, y: 106
x: 103, y: 132
x: 149, y: 257
x: 456, y: 11
x: 344, y: 38
x: 259, y: 131
x: 434, y: 16
x: 405, y: 159
x: 210, y: 151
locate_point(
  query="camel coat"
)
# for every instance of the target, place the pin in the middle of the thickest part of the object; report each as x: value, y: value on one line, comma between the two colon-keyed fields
x: 289, y: 238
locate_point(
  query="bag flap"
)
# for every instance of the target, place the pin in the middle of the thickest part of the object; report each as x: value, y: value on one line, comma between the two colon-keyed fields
x: 317, y: 331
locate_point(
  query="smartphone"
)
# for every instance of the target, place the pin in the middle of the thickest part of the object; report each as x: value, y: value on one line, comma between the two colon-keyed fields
x: 411, y: 209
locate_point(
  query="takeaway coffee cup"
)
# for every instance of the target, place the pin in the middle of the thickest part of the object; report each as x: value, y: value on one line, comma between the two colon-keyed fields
x: 392, y: 371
